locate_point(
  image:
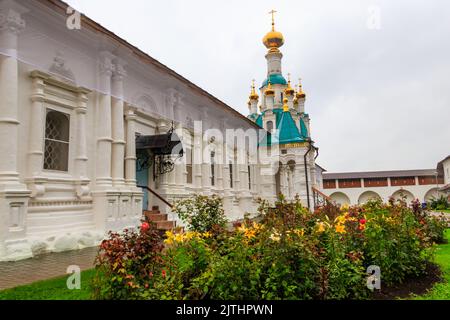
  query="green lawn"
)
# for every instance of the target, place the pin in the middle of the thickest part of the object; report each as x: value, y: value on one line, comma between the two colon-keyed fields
x: 52, y: 289
x: 441, y: 291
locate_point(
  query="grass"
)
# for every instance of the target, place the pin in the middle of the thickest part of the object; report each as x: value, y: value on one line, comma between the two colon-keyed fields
x: 52, y: 289
x: 441, y: 291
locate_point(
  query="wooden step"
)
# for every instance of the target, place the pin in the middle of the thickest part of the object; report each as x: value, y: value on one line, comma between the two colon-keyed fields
x: 165, y: 225
x: 156, y: 217
x: 151, y: 212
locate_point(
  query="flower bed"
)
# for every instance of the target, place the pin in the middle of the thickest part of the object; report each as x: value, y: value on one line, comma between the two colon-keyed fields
x: 286, y: 253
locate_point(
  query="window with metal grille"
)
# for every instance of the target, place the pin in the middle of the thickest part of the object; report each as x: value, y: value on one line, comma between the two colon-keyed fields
x: 213, y: 173
x: 231, y: 175
x: 189, y: 165
x: 56, y: 152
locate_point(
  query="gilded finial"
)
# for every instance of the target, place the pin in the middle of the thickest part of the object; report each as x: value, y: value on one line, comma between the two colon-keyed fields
x: 300, y: 93
x: 269, y: 90
x: 273, y: 39
x: 272, y: 12
x: 289, y: 90
x: 253, y: 94
x: 285, y: 106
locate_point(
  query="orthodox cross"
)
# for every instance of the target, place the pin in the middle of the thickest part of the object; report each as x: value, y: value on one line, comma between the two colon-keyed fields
x: 272, y: 12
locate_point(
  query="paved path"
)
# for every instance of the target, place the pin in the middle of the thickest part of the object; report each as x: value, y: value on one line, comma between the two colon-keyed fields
x: 46, y: 266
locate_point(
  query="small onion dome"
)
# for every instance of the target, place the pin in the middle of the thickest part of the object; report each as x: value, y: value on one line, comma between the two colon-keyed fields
x: 295, y: 101
x: 300, y: 94
x: 269, y: 91
x: 285, y: 106
x: 289, y: 91
x: 253, y: 94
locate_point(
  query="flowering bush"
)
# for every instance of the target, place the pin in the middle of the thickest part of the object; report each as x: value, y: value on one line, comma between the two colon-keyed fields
x: 286, y: 252
x: 201, y: 213
x: 128, y: 264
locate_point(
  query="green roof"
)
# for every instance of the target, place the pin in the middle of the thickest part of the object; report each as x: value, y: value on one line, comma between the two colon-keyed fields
x: 288, y: 131
x: 303, y: 129
x: 276, y: 78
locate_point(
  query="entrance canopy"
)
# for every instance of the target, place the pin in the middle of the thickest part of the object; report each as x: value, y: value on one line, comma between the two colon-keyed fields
x: 160, y: 144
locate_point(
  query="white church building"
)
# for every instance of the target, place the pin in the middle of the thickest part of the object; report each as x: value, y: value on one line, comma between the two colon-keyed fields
x: 87, y: 119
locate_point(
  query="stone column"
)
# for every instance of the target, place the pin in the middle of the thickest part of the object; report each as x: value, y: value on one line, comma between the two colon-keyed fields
x: 103, y: 123
x: 37, y: 127
x: 130, y: 158
x: 13, y: 194
x: 118, y: 131
x: 81, y: 147
x: 11, y: 24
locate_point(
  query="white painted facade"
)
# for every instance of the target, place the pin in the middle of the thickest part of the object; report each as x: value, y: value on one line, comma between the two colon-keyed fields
x: 71, y: 105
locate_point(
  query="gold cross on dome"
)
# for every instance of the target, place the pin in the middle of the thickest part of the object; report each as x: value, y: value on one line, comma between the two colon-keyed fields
x: 272, y: 12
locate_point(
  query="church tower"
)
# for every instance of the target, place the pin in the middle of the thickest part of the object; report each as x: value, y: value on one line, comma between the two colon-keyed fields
x: 282, y: 114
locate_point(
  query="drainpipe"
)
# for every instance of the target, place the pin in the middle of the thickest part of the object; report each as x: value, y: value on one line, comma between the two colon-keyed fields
x: 306, y: 172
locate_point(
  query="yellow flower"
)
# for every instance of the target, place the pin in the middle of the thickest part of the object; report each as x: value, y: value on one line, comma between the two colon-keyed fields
x: 207, y: 234
x: 178, y: 238
x: 340, y: 228
x: 299, y: 232
x: 250, y: 233
x: 344, y: 207
x: 321, y: 227
x: 168, y: 241
x: 341, y: 219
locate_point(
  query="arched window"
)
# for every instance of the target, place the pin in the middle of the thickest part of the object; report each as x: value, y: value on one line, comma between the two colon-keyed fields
x: 269, y: 126
x: 56, y: 153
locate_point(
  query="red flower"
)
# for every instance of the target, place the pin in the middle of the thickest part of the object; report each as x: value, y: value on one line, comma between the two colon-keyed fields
x: 163, y: 273
x: 362, y: 221
x: 145, y: 226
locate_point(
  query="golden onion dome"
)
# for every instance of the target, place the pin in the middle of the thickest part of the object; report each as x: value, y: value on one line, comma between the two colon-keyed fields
x: 285, y: 106
x: 273, y: 39
x: 300, y: 93
x: 295, y: 101
x: 253, y: 94
x: 269, y: 91
x: 289, y: 91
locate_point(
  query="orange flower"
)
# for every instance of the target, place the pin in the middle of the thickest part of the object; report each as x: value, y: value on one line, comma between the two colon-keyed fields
x: 340, y: 228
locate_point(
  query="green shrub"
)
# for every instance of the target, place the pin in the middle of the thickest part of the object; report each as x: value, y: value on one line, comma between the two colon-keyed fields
x: 201, y: 213
x: 286, y: 252
x: 440, y: 203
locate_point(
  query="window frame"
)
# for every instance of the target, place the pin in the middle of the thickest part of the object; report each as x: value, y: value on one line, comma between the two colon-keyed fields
x: 68, y: 117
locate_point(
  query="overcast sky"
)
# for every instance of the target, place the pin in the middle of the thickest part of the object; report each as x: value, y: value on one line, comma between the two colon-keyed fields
x: 378, y: 87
